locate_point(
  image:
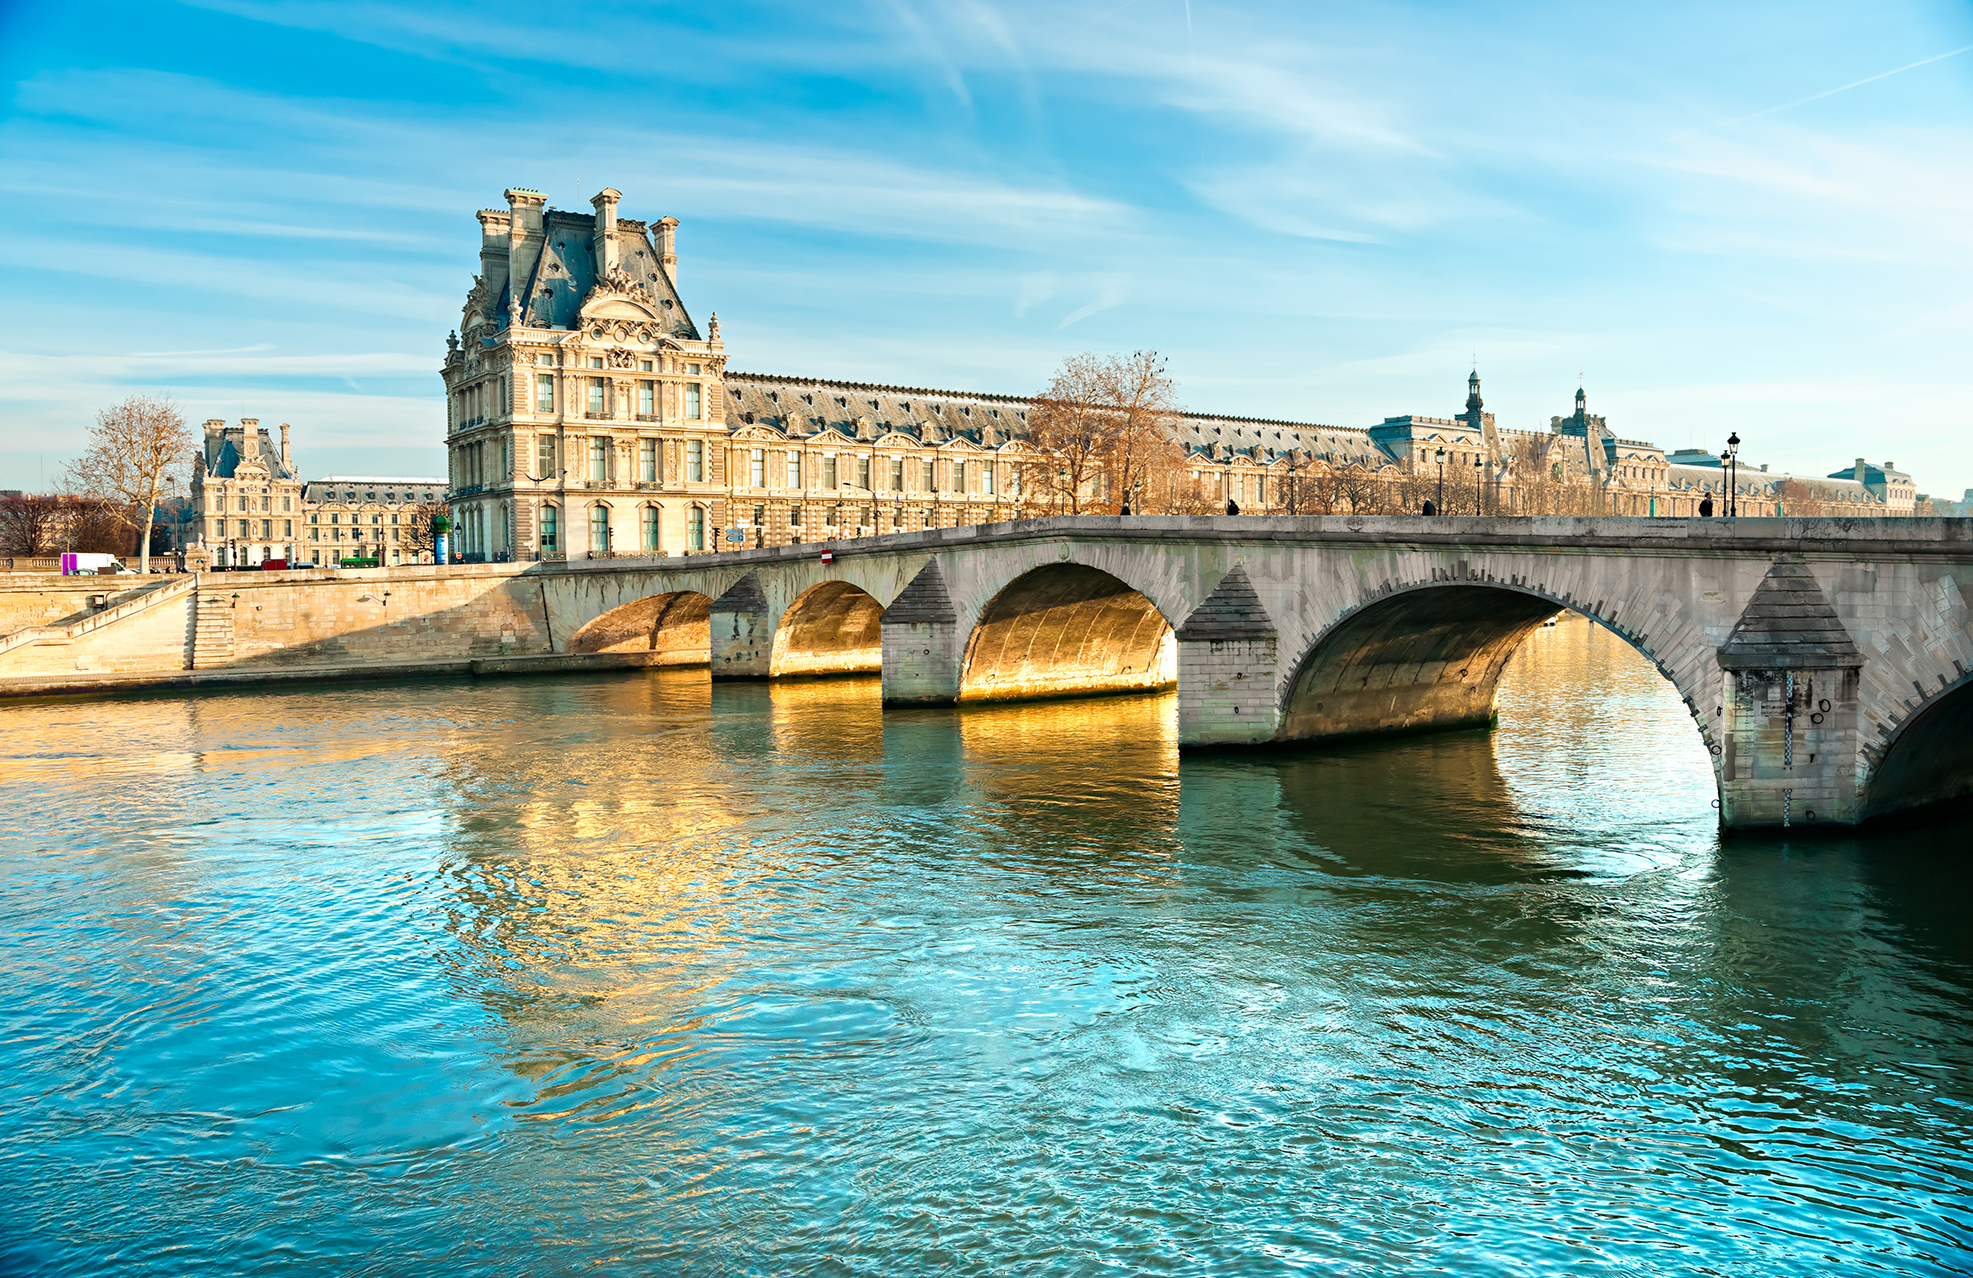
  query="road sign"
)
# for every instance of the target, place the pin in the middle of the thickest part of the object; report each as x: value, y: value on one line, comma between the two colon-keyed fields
x: 736, y: 534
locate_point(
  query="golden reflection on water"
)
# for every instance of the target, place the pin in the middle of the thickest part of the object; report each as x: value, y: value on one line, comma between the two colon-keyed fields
x: 639, y: 973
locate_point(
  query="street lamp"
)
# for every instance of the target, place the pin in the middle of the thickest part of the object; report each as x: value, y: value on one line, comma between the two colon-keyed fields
x: 1062, y: 481
x: 1441, y: 507
x: 1479, y: 492
x: 1732, y: 459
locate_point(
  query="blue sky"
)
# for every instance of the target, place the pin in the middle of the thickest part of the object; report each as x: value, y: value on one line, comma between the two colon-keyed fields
x: 1750, y: 217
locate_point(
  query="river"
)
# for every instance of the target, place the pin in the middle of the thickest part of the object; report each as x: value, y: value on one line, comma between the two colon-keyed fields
x: 633, y: 974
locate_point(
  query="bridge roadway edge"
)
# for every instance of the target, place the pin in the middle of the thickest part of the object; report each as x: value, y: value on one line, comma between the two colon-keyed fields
x: 1900, y: 586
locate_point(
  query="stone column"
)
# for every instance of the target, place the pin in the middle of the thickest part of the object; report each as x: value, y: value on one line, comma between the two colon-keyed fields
x: 1227, y: 664
x: 924, y: 650
x: 742, y: 631
x: 1788, y: 731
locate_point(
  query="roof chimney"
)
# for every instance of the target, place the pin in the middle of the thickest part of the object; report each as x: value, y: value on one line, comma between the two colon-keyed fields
x: 524, y: 240
x: 668, y: 247
x: 287, y: 459
x: 604, y: 240
x: 1861, y: 470
x: 494, y: 241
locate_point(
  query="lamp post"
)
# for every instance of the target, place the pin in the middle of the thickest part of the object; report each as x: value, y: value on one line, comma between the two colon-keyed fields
x: 1441, y: 506
x: 1062, y: 482
x: 1732, y: 459
x: 1479, y: 490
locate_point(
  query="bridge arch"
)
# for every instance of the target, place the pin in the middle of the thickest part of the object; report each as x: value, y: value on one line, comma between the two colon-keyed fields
x: 1928, y: 761
x: 675, y: 623
x: 1067, y: 629
x: 1426, y: 657
x: 829, y: 629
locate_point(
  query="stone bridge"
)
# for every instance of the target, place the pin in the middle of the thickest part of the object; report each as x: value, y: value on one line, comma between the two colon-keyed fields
x: 1825, y: 661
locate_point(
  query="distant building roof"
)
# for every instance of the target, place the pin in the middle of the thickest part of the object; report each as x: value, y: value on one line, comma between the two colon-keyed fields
x: 399, y: 481
x: 226, y: 447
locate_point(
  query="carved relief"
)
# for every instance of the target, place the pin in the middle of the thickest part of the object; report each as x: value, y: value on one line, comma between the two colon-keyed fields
x: 618, y: 282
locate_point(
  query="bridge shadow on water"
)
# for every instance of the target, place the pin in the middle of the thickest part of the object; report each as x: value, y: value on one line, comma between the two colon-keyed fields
x: 697, y: 965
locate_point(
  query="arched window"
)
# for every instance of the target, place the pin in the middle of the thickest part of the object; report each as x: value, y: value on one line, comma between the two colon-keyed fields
x: 648, y: 534
x: 549, y: 531
x: 599, y: 531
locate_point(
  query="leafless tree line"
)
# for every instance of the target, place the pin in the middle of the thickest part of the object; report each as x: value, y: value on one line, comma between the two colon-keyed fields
x: 1104, y: 439
x: 137, y: 458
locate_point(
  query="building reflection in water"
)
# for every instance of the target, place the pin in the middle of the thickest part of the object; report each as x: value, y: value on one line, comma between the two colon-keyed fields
x: 707, y: 978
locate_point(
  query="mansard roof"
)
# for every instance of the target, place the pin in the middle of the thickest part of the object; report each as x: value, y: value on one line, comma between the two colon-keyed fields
x: 227, y: 447
x: 809, y: 405
x: 868, y: 411
x: 565, y: 272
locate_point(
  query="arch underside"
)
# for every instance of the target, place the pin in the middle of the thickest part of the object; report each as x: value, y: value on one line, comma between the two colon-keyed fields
x: 1930, y: 762
x: 831, y: 629
x: 676, y: 625
x: 1067, y: 630
x: 1424, y: 660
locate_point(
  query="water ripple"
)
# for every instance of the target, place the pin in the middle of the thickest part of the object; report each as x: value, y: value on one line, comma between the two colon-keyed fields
x: 634, y: 974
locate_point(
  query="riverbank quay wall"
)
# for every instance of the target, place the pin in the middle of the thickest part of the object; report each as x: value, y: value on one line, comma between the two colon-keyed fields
x: 1825, y: 661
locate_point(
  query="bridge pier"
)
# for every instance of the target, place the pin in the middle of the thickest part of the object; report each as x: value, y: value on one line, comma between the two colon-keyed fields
x: 924, y: 645
x: 742, y: 632
x: 1227, y: 661
x: 1788, y: 716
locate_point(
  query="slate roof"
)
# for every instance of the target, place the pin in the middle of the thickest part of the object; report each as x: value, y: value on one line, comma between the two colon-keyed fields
x: 566, y: 270
x: 1871, y: 474
x: 227, y: 446
x: 1788, y: 624
x: 808, y: 405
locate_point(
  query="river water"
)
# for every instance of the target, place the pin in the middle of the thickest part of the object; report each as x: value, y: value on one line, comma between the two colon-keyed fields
x: 629, y: 974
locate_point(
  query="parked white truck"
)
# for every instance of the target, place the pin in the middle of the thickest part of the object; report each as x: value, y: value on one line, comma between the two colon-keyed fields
x: 93, y: 564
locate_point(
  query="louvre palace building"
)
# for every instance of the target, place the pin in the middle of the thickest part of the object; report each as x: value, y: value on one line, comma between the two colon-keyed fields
x: 589, y: 415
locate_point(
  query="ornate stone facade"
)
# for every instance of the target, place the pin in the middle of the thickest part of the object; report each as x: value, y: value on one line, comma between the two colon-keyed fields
x: 588, y: 416
x: 246, y: 498
x: 380, y: 517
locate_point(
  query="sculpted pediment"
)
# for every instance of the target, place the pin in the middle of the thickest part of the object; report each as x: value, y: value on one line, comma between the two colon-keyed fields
x: 616, y: 307
x: 757, y: 431
x: 620, y: 297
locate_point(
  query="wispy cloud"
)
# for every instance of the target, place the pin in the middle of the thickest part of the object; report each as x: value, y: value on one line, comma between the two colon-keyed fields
x: 1842, y: 88
x: 1315, y: 211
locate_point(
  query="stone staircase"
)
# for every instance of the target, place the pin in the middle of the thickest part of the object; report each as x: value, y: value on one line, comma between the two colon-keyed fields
x: 121, y: 608
x: 212, y: 634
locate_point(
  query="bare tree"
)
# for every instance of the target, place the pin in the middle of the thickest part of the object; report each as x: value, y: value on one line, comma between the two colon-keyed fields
x: 135, y: 451
x: 1074, y: 427
x: 1144, y: 449
x: 29, y: 523
x: 419, y: 536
